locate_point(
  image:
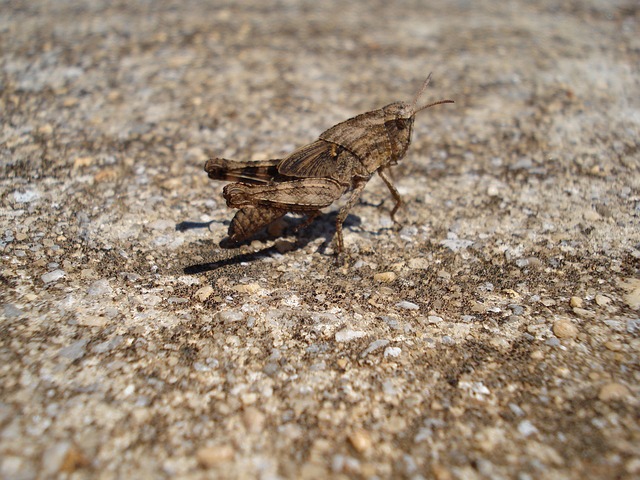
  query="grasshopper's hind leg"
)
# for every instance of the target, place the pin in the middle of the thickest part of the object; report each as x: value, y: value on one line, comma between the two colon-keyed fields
x: 257, y: 172
x: 249, y: 220
x: 344, y: 211
x: 311, y: 216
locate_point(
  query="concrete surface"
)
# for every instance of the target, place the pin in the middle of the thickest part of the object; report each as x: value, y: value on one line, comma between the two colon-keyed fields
x: 495, y: 336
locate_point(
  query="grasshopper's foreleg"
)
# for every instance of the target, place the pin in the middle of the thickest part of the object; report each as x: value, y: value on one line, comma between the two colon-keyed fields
x: 383, y: 172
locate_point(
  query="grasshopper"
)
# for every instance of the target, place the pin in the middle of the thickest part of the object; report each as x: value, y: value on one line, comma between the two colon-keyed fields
x: 311, y: 178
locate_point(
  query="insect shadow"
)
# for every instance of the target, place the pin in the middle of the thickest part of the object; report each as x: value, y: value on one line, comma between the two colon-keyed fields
x: 187, y: 225
x: 312, y: 232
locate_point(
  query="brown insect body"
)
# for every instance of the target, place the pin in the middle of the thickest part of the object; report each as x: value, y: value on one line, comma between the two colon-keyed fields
x: 376, y: 138
x: 312, y: 177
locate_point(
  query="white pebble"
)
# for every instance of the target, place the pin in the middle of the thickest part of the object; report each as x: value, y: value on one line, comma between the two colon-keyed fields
x: 526, y: 428
x: 392, y: 352
x: 53, y: 276
x: 26, y: 196
x: 230, y: 316
x: 204, y: 292
x: 407, y: 305
x: 100, y: 288
x: 347, y: 335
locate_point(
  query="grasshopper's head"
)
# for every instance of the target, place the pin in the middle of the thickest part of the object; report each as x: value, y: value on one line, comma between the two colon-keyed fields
x: 399, y: 117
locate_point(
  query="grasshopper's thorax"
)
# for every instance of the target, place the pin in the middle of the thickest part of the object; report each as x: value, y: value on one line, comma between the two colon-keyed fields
x: 398, y: 120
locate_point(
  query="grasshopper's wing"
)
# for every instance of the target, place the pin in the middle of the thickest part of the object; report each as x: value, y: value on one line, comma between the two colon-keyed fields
x: 316, y: 160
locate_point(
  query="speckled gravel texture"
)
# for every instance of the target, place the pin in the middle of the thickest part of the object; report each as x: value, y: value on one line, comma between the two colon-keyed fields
x: 496, y: 335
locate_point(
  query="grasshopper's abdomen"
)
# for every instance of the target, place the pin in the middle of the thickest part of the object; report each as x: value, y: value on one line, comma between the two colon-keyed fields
x: 249, y: 220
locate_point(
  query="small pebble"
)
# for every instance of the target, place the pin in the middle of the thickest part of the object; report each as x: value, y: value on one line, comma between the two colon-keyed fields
x: 11, y: 311
x: 408, y: 232
x: 249, y: 288
x: 248, y: 398
x: 537, y: 355
x: 613, y: 391
x: 53, y: 276
x: 407, y: 305
x: 516, y: 409
x: 602, y: 300
x: 230, y: 316
x: 204, y: 292
x: 565, y: 329
x: 209, y: 457
x: 108, y: 345
x: 391, y: 322
x: 419, y: 263
x: 25, y: 197
x: 253, y: 419
x: 360, y: 440
x: 385, y: 277
x: 447, y: 340
x: 392, y: 352
x: 526, y: 428
x: 443, y: 274
x: 100, y: 288
x: 46, y: 129
x: 576, y: 302
x: 613, y: 345
x: 373, y: 346
x: 176, y: 300
x: 633, y: 466
x: 88, y: 273
x: 347, y: 335
x: 633, y: 298
x: 591, y: 216
x: 74, y: 351
x: 581, y: 312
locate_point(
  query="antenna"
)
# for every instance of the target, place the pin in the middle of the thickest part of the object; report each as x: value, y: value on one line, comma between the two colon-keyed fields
x: 420, y: 92
x: 439, y: 102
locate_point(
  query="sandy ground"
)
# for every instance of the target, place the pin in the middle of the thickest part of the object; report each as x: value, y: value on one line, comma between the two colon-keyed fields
x: 496, y: 335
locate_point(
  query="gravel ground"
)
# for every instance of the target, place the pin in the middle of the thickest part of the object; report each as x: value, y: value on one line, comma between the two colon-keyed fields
x: 496, y: 335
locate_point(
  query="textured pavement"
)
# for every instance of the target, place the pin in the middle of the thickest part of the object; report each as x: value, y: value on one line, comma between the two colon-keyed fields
x: 496, y: 335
